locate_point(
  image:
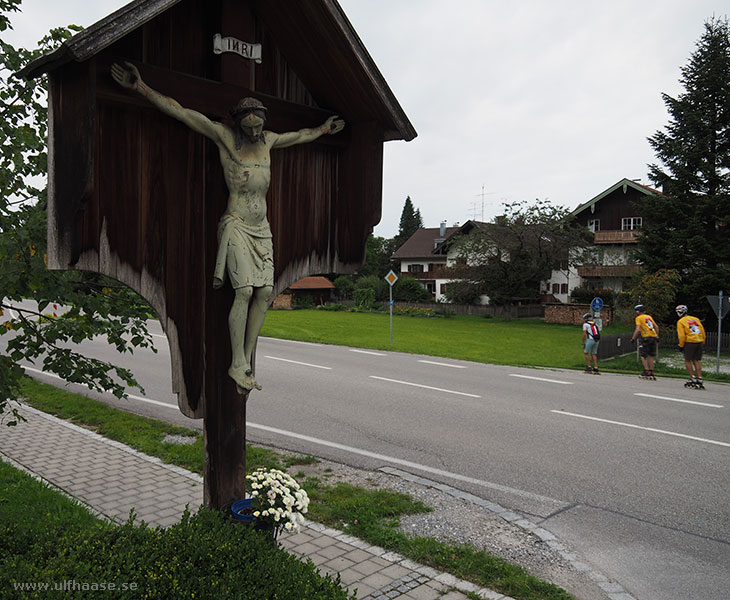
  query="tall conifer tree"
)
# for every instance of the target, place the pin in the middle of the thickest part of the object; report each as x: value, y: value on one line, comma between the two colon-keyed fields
x: 410, y: 222
x: 688, y: 228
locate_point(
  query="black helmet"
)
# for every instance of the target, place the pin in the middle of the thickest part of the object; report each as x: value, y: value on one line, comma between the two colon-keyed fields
x: 639, y: 308
x: 587, y: 316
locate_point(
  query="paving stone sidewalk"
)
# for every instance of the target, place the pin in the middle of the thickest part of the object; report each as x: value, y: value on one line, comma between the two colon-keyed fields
x: 111, y: 479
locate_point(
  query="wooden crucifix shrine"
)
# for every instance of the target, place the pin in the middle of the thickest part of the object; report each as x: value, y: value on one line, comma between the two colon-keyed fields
x: 137, y: 194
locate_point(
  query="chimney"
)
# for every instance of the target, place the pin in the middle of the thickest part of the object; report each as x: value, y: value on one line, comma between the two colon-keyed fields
x: 442, y: 229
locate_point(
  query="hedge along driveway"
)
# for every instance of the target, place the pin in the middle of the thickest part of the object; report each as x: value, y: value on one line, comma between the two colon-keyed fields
x: 523, y: 342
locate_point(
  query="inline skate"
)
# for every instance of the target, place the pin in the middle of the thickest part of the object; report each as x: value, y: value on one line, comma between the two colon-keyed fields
x: 695, y: 383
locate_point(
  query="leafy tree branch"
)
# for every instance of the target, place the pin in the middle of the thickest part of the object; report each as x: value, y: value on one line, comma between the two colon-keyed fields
x: 44, y: 314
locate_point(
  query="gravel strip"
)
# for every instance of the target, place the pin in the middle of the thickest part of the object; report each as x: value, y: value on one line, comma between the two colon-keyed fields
x: 461, y: 521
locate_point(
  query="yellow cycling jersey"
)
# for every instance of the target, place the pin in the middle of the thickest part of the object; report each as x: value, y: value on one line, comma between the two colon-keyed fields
x: 689, y: 329
x: 648, y: 328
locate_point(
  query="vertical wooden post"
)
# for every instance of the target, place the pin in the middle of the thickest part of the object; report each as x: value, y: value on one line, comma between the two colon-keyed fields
x: 225, y: 451
x: 224, y: 424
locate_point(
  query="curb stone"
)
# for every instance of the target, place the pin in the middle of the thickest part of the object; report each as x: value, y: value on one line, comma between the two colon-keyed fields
x: 616, y: 591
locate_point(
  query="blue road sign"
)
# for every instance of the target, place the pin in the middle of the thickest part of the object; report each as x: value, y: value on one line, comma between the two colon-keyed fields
x: 597, y: 304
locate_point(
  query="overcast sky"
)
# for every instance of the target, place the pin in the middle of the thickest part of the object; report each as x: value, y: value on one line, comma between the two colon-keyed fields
x: 520, y: 100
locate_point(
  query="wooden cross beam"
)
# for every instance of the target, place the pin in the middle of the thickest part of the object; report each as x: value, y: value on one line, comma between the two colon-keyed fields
x: 137, y: 196
x: 159, y: 235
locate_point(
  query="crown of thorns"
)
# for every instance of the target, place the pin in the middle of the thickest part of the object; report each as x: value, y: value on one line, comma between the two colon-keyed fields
x: 247, y: 105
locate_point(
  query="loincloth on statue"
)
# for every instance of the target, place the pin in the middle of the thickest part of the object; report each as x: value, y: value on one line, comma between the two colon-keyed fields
x: 246, y: 253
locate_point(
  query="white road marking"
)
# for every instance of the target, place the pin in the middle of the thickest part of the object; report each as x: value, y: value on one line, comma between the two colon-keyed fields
x: 367, y: 352
x: 440, y: 364
x: 541, y: 379
x: 367, y: 453
x: 270, y: 339
x: 632, y: 426
x: 428, y: 387
x: 678, y: 400
x: 130, y: 396
x: 407, y: 463
x: 296, y: 362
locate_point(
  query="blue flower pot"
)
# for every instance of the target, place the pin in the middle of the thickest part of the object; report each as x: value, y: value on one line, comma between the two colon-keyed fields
x: 247, y: 519
x: 239, y: 506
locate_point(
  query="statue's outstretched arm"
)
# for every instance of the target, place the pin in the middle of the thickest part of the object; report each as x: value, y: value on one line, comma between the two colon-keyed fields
x: 127, y: 75
x: 331, y: 126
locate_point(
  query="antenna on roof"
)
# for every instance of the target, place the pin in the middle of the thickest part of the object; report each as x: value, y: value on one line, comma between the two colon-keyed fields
x: 474, y: 212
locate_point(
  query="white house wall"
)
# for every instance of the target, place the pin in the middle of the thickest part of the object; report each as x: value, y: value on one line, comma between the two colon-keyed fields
x: 404, y: 264
x: 569, y: 279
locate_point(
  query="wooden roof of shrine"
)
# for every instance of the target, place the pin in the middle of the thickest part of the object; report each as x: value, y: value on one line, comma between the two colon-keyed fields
x: 136, y: 195
x: 316, y: 36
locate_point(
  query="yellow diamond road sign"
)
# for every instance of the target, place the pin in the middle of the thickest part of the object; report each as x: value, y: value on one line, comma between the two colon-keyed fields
x: 391, y: 278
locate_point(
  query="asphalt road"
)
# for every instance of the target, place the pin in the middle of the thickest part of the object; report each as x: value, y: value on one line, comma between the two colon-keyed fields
x: 631, y: 474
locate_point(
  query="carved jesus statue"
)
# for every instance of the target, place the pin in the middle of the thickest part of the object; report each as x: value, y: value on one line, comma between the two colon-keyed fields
x: 245, y: 248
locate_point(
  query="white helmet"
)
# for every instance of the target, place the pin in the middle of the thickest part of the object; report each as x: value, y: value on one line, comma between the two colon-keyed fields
x: 681, y: 310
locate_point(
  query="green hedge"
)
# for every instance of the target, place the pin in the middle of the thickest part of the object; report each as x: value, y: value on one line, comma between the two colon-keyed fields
x: 364, y: 298
x: 300, y: 301
x: 204, y: 556
x: 582, y: 295
x: 46, y: 538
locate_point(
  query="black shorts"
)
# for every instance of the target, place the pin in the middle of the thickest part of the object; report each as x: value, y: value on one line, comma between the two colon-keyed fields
x: 647, y: 346
x: 693, y: 351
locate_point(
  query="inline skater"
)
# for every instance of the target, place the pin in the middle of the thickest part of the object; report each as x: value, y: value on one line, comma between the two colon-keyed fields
x: 691, y: 338
x: 648, y: 333
x: 591, y: 335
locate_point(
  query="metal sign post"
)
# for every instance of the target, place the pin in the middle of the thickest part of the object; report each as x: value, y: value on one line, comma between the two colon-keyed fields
x: 721, y: 306
x: 596, y: 306
x: 391, y: 278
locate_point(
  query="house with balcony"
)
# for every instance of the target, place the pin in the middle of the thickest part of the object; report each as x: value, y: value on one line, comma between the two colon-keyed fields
x: 615, y: 221
x: 419, y: 259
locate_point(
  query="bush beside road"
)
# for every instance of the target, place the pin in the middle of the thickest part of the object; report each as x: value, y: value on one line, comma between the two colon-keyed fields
x: 372, y: 514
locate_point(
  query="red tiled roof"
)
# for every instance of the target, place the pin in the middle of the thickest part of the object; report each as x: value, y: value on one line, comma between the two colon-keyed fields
x: 312, y: 283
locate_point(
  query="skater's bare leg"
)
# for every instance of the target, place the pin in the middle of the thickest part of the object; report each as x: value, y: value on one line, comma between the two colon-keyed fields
x: 688, y: 366
x: 698, y: 368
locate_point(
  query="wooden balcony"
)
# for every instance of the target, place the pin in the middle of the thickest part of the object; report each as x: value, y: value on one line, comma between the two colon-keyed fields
x: 608, y: 271
x: 438, y: 272
x: 617, y: 236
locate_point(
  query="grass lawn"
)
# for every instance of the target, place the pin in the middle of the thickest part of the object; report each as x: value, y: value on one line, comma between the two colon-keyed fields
x: 526, y: 342
x: 141, y: 433
x: 519, y: 342
x: 372, y: 515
